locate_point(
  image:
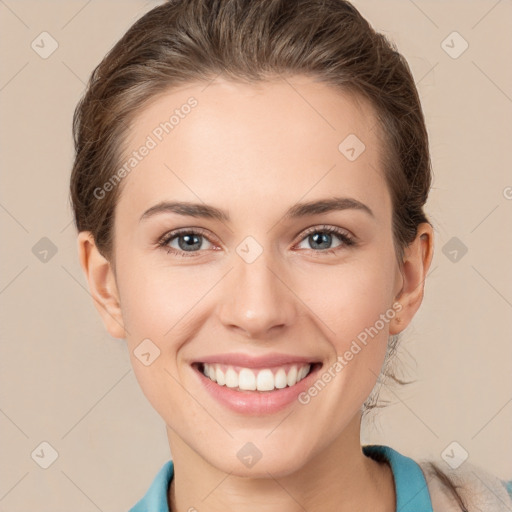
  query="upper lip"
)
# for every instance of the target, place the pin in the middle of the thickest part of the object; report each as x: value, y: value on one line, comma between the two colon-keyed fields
x: 247, y: 361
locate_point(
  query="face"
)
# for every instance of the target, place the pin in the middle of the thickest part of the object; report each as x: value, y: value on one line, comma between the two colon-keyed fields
x: 267, y: 282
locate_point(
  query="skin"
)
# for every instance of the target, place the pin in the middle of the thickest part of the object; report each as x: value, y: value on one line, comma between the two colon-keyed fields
x: 255, y: 151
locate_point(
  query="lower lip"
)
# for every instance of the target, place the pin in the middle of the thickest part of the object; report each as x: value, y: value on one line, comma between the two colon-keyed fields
x: 256, y: 402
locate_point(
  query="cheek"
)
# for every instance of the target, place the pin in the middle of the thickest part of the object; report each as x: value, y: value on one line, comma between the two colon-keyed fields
x: 352, y: 305
x: 157, y: 305
x: 156, y: 301
x: 343, y: 300
x: 348, y: 298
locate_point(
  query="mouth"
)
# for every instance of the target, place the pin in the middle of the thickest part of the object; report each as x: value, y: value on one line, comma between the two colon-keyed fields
x: 260, y: 380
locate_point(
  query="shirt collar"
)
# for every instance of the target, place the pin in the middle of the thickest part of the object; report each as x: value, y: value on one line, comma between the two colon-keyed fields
x: 412, y: 494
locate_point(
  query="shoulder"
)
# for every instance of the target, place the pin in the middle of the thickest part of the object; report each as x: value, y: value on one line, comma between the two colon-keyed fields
x: 478, y: 489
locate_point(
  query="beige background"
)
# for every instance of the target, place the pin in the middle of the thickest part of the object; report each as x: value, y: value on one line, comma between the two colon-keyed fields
x: 66, y: 382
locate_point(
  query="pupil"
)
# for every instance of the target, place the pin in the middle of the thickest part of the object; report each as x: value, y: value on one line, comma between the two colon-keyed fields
x: 326, y: 239
x: 190, y: 242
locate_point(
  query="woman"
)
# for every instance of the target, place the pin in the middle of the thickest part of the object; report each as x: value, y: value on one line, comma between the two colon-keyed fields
x: 248, y: 188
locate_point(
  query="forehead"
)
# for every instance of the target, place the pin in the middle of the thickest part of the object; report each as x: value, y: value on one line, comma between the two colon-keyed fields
x: 229, y: 140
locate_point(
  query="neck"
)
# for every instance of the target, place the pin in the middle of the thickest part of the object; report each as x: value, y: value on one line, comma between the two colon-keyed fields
x: 339, y: 477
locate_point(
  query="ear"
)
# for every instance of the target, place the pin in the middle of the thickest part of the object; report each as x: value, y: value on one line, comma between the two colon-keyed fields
x: 414, y: 269
x: 102, y: 284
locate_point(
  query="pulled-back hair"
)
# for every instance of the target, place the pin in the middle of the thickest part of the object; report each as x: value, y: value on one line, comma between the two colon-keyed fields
x: 189, y: 41
x: 181, y: 42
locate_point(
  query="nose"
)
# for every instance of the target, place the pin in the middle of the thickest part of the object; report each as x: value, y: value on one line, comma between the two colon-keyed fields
x: 256, y: 299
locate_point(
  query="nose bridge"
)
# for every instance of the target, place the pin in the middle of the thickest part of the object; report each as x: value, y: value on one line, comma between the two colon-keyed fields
x: 255, y: 298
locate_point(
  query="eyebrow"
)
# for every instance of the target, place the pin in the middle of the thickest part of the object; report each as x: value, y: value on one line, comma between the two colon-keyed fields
x: 296, y: 211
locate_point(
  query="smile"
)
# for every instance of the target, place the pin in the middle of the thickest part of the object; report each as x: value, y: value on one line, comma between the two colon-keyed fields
x: 251, y: 379
x: 255, y: 385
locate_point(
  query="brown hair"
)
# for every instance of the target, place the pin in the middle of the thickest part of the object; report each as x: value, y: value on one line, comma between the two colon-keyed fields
x: 189, y: 41
x: 185, y: 41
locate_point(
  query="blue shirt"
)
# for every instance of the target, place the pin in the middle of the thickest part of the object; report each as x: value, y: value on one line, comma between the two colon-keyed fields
x: 411, y: 488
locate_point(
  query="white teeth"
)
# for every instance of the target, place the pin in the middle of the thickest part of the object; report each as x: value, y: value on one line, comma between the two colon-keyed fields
x: 221, y: 379
x: 280, y: 379
x: 246, y: 380
x: 291, y: 379
x: 251, y: 380
x: 265, y: 380
x: 231, y: 378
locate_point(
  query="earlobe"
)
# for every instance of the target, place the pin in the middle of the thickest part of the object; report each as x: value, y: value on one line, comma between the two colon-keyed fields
x: 102, y: 284
x: 417, y: 260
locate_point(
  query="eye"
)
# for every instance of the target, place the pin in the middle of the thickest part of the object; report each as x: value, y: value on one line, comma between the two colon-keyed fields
x: 321, y: 237
x: 183, y: 241
x: 187, y: 242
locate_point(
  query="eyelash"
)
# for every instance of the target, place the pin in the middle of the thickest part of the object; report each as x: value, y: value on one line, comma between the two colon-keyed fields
x: 346, y: 239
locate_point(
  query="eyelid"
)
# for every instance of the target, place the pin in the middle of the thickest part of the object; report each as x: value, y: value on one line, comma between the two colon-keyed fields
x: 346, y: 237
x: 348, y: 240
x: 169, y: 235
x: 326, y: 228
x: 163, y: 241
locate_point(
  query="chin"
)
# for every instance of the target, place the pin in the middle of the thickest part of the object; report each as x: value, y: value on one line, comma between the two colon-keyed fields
x: 252, y: 463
